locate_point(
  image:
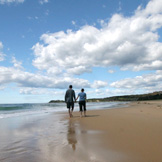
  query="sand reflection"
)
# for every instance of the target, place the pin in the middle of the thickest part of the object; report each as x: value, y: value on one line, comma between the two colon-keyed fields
x: 71, y: 135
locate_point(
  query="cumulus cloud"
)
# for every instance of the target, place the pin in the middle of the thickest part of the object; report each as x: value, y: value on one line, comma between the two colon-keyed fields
x: 43, y: 1
x: 1, y: 45
x: 40, y: 91
x: 102, y: 93
x: 117, y: 92
x: 99, y: 84
x: 26, y: 79
x: 132, y: 43
x: 148, y: 82
x: 33, y: 81
x: 78, y: 70
x: 11, y: 1
x: 128, y: 42
x: 1, y: 53
x: 99, y: 92
x: 17, y: 64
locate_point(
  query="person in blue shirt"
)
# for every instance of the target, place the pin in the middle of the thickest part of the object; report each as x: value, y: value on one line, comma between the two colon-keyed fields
x: 82, y: 102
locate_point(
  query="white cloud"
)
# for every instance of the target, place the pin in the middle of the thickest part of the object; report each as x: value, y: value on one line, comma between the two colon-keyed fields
x: 33, y: 18
x: 2, y: 55
x: 43, y: 1
x: 120, y: 6
x: 108, y: 92
x: 78, y: 70
x: 148, y: 82
x: 73, y: 22
x: 132, y: 43
x: 26, y: 79
x: 99, y: 84
x: 11, y: 1
x: 30, y: 82
x: 40, y: 91
x: 99, y: 92
x: 17, y: 64
x: 1, y: 45
x: 128, y: 42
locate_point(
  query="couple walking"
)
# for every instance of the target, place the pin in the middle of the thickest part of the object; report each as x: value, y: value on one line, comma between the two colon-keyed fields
x: 70, y: 99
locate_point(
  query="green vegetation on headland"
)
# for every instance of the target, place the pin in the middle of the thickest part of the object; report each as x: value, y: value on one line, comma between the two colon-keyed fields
x: 56, y: 101
x: 140, y: 97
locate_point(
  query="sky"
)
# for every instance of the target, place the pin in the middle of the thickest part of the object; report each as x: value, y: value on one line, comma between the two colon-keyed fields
x: 107, y: 47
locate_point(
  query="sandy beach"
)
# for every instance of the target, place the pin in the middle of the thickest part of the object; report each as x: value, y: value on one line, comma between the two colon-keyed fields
x: 129, y: 134
x: 132, y: 134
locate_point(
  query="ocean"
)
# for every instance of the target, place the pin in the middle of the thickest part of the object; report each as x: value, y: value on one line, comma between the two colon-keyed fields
x: 16, y: 110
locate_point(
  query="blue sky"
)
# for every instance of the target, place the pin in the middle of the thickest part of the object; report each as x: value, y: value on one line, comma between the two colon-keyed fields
x: 108, y: 47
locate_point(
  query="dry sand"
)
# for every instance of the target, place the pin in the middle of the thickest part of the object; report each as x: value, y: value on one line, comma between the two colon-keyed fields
x: 134, y: 132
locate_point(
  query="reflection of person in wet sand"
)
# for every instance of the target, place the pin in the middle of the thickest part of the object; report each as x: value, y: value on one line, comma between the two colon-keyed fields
x: 71, y: 136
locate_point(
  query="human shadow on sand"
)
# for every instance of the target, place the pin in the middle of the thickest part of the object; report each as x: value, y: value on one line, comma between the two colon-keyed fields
x: 87, y: 116
x: 92, y: 116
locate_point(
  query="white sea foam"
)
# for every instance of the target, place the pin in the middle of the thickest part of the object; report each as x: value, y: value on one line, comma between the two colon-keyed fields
x: 15, y: 110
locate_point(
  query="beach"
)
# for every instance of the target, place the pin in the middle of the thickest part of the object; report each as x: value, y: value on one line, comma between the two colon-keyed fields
x: 132, y: 134
x: 129, y: 134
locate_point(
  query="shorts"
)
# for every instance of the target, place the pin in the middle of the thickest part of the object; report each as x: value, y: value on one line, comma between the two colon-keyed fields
x: 70, y: 104
x: 82, y: 105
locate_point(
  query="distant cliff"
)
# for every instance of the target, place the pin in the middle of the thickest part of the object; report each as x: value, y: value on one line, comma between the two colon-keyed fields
x: 141, y: 97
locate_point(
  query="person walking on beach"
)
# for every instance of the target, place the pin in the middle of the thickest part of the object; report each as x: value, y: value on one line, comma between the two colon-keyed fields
x: 69, y: 99
x: 82, y: 102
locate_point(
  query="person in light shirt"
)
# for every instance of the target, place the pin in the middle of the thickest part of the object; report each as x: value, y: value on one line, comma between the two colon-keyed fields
x: 82, y: 102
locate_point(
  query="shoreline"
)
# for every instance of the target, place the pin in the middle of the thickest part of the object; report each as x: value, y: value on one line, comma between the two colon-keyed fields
x: 18, y: 110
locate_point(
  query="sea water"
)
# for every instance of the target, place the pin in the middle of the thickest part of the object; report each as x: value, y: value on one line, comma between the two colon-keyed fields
x: 16, y: 110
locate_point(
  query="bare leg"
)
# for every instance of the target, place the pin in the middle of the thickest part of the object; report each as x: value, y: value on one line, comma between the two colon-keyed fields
x: 70, y: 113
x: 81, y: 114
x: 84, y: 113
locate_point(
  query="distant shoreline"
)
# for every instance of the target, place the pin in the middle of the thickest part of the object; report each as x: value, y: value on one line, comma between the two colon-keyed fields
x: 140, y: 97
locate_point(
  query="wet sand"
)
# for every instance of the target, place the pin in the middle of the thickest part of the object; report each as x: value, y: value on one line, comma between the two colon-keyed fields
x: 131, y: 134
